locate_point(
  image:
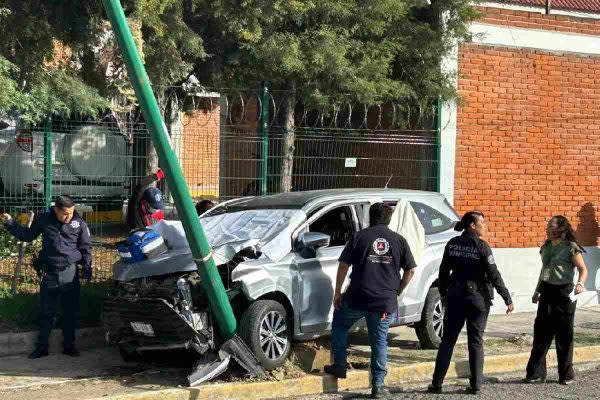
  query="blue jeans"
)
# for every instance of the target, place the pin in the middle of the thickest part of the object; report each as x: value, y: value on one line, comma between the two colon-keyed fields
x: 343, y: 319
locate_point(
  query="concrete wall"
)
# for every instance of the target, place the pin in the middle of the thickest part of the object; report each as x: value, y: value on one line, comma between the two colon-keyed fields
x: 520, y: 270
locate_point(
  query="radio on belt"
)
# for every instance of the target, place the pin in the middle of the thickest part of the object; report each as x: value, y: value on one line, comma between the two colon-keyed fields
x: 141, y: 244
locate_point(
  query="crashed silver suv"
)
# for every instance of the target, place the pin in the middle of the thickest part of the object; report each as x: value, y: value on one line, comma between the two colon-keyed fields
x: 277, y: 256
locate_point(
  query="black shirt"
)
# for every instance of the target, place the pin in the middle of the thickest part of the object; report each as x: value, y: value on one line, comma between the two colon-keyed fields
x: 376, y: 254
x: 468, y: 259
x: 62, y: 244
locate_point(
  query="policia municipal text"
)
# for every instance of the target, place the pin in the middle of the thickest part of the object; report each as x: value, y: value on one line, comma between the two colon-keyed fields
x: 468, y: 276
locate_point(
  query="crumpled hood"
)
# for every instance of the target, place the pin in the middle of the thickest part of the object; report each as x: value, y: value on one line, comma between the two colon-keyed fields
x: 267, y: 231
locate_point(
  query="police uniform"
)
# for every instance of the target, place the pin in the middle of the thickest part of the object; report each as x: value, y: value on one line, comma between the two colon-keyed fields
x: 376, y: 254
x: 468, y: 276
x: 64, y: 246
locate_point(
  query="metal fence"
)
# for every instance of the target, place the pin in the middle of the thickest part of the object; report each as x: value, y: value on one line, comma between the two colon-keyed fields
x: 229, y: 143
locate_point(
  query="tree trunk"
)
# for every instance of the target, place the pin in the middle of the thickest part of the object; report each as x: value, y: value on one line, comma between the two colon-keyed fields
x: 287, y: 165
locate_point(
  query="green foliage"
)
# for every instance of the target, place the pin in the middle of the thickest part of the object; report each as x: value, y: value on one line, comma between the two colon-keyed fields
x: 7, y: 244
x: 368, y: 50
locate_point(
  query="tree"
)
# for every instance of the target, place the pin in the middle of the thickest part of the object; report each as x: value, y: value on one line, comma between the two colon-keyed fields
x: 59, y: 56
x: 322, y: 50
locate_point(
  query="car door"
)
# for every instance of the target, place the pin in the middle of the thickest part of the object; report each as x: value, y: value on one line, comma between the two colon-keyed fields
x: 317, y: 275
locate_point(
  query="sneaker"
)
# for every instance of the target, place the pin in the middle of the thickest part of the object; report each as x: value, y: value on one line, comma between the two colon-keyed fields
x: 335, y: 370
x: 534, y: 380
x: 378, y: 392
x: 38, y: 353
x: 71, y: 351
x: 472, y: 390
x: 434, y: 389
x: 566, y: 381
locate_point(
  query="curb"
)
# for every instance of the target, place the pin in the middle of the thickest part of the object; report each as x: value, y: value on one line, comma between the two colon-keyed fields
x: 12, y: 344
x: 312, y: 384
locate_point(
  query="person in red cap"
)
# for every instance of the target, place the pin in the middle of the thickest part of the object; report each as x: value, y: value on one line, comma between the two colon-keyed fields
x: 146, y: 205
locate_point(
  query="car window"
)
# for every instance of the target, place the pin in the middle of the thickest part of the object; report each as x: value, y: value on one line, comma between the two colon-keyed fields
x: 433, y: 221
x: 336, y: 223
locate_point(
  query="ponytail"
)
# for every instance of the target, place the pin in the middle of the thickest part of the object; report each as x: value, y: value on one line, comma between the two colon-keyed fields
x: 467, y: 219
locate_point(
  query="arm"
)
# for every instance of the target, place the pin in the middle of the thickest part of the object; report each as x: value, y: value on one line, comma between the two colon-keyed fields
x: 583, y: 273
x: 345, y: 263
x: 339, y: 281
x: 84, y: 244
x: 409, y: 265
x: 444, y: 275
x: 406, y: 277
x: 22, y: 233
x: 494, y: 276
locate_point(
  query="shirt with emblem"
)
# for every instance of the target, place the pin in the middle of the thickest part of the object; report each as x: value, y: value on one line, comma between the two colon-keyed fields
x: 62, y: 244
x: 376, y: 254
x: 468, y: 259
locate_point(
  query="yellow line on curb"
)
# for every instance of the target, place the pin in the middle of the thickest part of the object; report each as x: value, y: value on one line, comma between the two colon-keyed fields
x: 313, y: 384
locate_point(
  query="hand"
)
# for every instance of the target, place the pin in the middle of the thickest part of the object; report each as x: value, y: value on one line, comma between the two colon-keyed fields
x: 337, y: 301
x: 510, y: 308
x: 535, y: 298
x: 579, y: 288
x: 5, y: 217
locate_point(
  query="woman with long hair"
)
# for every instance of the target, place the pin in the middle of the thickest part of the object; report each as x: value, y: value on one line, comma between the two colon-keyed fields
x: 555, y: 296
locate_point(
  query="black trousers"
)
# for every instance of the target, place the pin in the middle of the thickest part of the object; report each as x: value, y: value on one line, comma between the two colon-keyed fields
x: 50, y: 296
x: 554, y: 320
x: 473, y: 309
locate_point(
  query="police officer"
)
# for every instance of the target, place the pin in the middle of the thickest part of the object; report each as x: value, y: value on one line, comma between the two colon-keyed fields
x: 468, y: 276
x: 65, y: 246
x: 376, y: 254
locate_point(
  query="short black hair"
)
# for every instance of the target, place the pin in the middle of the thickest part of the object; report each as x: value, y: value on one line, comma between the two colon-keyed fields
x: 64, y: 201
x: 380, y: 213
x: 203, y: 206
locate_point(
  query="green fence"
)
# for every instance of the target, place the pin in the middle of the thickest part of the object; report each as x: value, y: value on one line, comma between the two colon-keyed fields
x: 230, y: 144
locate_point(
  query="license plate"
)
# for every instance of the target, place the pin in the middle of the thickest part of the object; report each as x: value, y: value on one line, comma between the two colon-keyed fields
x: 143, y: 328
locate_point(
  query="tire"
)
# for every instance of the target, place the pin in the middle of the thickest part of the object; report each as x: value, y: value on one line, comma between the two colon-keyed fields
x: 430, y: 328
x: 267, y: 320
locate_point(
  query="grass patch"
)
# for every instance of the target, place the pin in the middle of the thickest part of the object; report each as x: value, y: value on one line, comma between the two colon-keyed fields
x: 19, y: 313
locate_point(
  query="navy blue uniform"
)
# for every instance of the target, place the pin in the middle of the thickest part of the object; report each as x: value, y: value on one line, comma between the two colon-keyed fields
x: 64, y: 246
x: 468, y: 276
x: 377, y: 254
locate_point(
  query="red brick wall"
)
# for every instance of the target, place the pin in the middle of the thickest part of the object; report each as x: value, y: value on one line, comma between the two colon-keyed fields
x: 528, y: 143
x: 200, y: 151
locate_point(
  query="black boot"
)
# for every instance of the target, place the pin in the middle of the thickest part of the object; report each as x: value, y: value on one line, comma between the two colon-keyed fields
x: 71, y: 351
x: 335, y: 370
x: 434, y: 389
x: 38, y: 353
x: 378, y: 392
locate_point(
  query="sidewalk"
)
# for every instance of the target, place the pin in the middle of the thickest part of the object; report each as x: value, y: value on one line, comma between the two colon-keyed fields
x: 100, y: 372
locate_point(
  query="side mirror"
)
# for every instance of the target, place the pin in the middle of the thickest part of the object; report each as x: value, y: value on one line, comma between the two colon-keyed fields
x: 309, y: 242
x: 316, y: 240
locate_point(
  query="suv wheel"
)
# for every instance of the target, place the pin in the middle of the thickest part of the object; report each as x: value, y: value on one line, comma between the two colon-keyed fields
x: 431, y: 326
x: 266, y: 330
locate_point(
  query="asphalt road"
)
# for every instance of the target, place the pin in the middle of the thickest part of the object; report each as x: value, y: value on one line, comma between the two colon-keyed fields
x: 505, y: 388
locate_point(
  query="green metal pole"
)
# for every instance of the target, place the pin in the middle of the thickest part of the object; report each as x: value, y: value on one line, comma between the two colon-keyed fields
x: 201, y: 251
x: 265, y: 138
x: 48, y: 163
x: 438, y: 128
